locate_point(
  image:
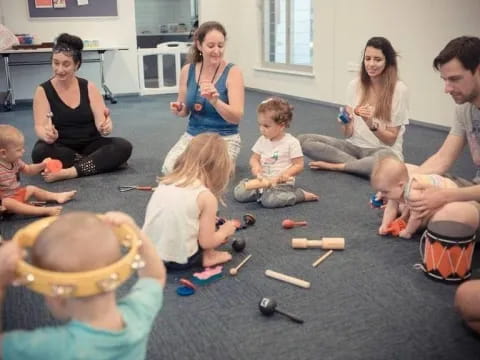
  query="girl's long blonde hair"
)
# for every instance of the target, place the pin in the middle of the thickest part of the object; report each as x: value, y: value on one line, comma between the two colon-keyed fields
x: 389, y: 78
x: 205, y: 159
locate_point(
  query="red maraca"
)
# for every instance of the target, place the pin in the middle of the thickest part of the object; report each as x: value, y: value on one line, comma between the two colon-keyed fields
x: 178, y: 106
x: 289, y: 224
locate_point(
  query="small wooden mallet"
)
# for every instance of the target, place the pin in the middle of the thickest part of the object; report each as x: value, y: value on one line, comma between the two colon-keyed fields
x: 234, y: 271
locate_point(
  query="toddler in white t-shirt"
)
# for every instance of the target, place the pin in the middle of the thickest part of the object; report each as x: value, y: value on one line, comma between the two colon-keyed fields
x: 277, y: 158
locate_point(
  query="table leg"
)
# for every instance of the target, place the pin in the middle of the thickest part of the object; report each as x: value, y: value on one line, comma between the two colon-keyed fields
x: 9, y: 100
x: 108, y: 95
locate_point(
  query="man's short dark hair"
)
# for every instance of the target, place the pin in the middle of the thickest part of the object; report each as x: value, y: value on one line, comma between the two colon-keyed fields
x: 464, y: 48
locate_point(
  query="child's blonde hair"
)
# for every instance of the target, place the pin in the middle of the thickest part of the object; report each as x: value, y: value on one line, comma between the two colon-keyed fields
x: 205, y: 159
x: 281, y: 111
x: 9, y: 135
x: 388, y: 169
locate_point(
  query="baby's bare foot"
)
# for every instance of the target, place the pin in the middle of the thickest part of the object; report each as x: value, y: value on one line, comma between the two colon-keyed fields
x: 63, y: 197
x: 214, y: 257
x: 63, y: 174
x: 309, y: 196
x: 323, y: 165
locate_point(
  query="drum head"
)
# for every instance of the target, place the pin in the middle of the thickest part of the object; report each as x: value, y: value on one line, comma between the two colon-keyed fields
x: 451, y: 230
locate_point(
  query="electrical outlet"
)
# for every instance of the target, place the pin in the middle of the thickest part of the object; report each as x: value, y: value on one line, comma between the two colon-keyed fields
x: 353, y: 66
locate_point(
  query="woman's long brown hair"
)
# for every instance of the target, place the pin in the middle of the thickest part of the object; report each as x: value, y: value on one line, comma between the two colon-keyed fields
x: 389, y: 78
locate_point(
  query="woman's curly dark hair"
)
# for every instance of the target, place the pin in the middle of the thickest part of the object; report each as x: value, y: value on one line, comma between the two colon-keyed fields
x: 70, y: 45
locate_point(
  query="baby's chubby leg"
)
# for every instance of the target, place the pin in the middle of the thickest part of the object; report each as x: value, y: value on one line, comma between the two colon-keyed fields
x: 18, y: 207
x: 45, y: 195
x: 413, y: 224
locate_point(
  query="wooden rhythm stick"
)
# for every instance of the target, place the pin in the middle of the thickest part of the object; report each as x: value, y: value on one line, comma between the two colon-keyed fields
x: 288, y: 279
x: 326, y: 243
x: 321, y: 258
x: 234, y: 271
x: 258, y: 184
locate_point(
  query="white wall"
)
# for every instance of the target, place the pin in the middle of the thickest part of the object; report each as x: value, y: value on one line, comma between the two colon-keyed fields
x: 120, y: 67
x: 417, y: 29
x: 150, y: 14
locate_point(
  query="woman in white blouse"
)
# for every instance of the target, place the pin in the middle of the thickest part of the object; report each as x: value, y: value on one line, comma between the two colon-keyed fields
x: 375, y: 119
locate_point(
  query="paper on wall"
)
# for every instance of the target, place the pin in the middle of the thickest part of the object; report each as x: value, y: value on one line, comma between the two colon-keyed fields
x: 59, y: 3
x: 43, y: 4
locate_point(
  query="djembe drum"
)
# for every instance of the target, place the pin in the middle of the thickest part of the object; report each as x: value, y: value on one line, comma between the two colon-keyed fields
x: 446, y: 248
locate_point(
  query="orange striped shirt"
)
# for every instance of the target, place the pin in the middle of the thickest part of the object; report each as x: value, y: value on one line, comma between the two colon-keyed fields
x: 10, y: 178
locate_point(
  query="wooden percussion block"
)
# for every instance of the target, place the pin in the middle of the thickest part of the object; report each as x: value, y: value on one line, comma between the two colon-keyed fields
x: 326, y: 243
x: 333, y: 243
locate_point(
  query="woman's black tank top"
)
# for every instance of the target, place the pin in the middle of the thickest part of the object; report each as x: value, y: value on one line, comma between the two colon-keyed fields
x: 75, y: 126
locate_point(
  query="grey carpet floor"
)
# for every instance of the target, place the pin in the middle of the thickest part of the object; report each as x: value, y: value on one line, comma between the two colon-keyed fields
x: 367, y: 302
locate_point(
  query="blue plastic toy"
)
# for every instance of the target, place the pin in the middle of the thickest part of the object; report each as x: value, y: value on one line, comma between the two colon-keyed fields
x: 185, y: 291
x: 376, y: 203
x: 343, y: 116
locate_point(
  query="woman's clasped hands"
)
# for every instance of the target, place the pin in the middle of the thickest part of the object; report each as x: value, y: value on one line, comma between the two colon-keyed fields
x: 209, y: 91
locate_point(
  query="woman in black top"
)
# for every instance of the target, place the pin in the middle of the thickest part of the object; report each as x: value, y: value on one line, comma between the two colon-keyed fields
x: 72, y: 121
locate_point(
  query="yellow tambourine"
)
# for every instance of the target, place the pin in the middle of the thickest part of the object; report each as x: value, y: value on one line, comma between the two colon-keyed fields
x: 77, y: 284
